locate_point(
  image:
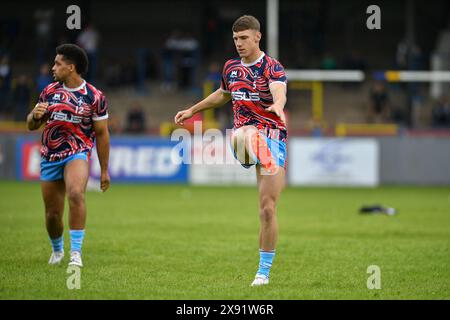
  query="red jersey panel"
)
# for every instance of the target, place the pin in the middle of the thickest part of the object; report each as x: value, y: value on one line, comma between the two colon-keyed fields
x: 71, y: 112
x: 249, y: 85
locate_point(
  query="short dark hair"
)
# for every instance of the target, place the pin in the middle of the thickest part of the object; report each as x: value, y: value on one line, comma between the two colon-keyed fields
x: 246, y: 22
x: 74, y: 54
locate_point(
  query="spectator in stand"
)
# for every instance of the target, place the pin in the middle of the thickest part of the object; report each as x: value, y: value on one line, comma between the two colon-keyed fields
x: 88, y: 40
x: 379, y: 103
x: 179, y: 61
x: 44, y: 33
x: 441, y: 113
x: 328, y: 62
x: 401, y: 56
x: 354, y: 61
x: 214, y: 74
x: 21, y: 97
x: 169, y: 58
x: 136, y: 123
x: 44, y: 78
x: 188, y: 47
x: 5, y: 84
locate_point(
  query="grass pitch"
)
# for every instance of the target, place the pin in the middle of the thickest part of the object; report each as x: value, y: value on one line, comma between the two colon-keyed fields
x: 181, y: 242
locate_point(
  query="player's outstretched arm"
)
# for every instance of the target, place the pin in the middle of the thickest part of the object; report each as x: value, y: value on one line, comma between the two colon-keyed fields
x: 216, y: 99
x: 37, y: 116
x: 102, y: 136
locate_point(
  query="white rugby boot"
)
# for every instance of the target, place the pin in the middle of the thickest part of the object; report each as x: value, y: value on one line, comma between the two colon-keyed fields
x: 75, y: 259
x: 56, y: 257
x: 260, y: 280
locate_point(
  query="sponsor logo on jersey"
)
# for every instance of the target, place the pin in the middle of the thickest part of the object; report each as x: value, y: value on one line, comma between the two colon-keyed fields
x: 61, y: 116
x: 245, y: 96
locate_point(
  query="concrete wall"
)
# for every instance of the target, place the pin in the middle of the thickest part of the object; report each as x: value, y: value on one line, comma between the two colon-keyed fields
x: 414, y: 160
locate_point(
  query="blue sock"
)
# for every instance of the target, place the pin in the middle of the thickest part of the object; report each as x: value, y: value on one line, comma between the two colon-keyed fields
x: 76, y: 240
x: 265, y: 262
x: 57, y: 244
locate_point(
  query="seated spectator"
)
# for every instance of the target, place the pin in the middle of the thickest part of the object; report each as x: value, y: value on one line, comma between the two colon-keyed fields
x: 44, y: 78
x: 136, y: 119
x: 21, y: 98
x: 440, y: 114
x: 214, y: 74
x: 379, y: 103
x: 328, y: 62
x: 355, y: 61
x: 5, y: 84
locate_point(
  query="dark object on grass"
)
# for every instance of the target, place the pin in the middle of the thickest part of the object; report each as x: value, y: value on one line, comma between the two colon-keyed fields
x: 375, y: 209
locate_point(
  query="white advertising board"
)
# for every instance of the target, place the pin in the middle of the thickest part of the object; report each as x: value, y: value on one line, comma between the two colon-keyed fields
x: 333, y: 161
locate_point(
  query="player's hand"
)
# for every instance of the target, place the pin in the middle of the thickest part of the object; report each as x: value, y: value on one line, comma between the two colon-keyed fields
x: 183, y: 115
x: 278, y: 111
x: 39, y: 110
x: 104, y: 181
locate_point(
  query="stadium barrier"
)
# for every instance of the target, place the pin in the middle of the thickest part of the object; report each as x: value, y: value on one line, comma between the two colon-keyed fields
x: 8, y: 156
x: 13, y: 126
x: 366, y: 129
x: 311, y: 161
x: 142, y: 160
x: 412, y: 76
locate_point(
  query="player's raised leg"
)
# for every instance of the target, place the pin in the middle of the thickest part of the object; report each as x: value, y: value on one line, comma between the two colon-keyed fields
x: 269, y: 188
x: 53, y: 194
x: 76, y: 174
x: 251, y: 147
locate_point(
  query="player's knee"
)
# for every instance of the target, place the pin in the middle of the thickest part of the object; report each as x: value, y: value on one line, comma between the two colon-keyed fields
x: 267, y: 210
x: 75, y: 196
x: 52, y: 214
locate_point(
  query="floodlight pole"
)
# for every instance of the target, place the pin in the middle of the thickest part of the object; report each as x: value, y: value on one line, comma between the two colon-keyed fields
x: 272, y: 27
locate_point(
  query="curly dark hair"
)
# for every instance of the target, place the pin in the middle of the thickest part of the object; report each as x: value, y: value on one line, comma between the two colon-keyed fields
x: 74, y: 54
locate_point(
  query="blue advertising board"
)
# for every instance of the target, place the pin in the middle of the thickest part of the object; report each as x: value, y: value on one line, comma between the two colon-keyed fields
x: 131, y: 159
x: 142, y: 160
